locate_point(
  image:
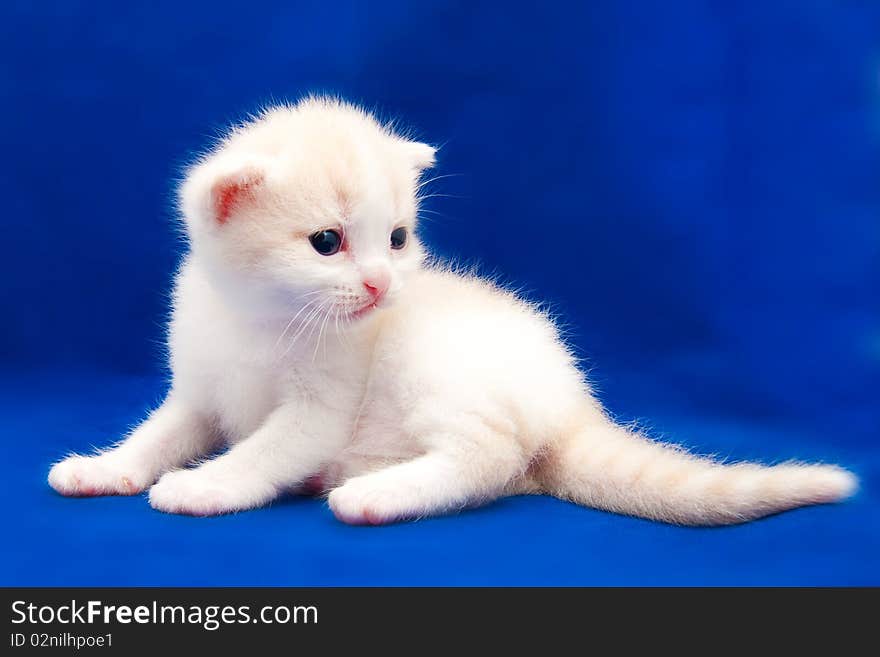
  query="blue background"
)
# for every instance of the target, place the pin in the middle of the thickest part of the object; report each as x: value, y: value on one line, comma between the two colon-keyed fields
x: 693, y: 185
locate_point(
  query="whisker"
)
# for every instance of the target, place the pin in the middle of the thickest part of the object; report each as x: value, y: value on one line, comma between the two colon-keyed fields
x: 290, y: 323
x: 430, y: 180
x: 320, y: 335
x: 315, y: 325
x: 313, y: 314
x: 422, y: 198
x: 341, y: 335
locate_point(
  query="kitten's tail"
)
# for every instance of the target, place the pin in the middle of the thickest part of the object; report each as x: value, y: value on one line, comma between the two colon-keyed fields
x: 611, y: 467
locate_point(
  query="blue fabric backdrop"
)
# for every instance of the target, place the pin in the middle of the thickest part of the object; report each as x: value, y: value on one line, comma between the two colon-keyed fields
x: 694, y: 185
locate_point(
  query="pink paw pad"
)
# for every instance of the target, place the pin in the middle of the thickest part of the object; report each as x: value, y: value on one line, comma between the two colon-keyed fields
x: 314, y: 485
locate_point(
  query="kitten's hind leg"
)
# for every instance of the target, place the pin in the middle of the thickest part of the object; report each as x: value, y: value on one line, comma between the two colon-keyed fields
x: 172, y: 436
x: 459, y: 471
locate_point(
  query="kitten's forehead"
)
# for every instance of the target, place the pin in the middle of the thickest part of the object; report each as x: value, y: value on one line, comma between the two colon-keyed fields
x: 359, y: 181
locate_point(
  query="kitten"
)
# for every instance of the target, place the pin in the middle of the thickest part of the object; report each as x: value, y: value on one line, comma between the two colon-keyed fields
x: 310, y: 337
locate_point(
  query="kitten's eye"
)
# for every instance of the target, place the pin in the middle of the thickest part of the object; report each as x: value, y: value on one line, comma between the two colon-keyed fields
x: 326, y: 242
x: 398, y: 238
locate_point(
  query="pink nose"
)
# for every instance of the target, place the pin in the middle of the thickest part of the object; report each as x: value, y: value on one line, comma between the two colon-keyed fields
x: 377, y: 284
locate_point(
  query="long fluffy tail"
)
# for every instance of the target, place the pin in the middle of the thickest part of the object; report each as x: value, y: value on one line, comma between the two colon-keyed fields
x: 610, y: 467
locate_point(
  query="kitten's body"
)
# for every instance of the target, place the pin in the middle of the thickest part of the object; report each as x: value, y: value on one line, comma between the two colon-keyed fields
x: 454, y: 394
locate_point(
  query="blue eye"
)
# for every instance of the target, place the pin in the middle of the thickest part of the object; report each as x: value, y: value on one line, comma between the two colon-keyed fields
x: 398, y: 238
x: 326, y: 242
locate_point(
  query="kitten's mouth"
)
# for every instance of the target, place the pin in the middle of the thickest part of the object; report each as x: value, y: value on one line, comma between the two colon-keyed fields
x: 364, y: 310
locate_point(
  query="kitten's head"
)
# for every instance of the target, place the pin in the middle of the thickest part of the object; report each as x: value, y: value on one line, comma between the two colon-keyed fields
x: 313, y: 204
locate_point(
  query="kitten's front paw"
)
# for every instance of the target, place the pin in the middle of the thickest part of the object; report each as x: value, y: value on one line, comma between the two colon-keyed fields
x: 88, y: 476
x: 198, y: 493
x: 361, y: 502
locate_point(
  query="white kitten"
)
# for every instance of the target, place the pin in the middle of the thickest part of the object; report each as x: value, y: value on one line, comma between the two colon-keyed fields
x: 309, y: 336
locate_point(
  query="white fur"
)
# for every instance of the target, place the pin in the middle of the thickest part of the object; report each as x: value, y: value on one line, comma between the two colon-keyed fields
x: 450, y: 393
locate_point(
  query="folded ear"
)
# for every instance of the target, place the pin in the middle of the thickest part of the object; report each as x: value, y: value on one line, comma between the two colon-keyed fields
x: 218, y: 190
x: 234, y: 191
x: 420, y: 156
